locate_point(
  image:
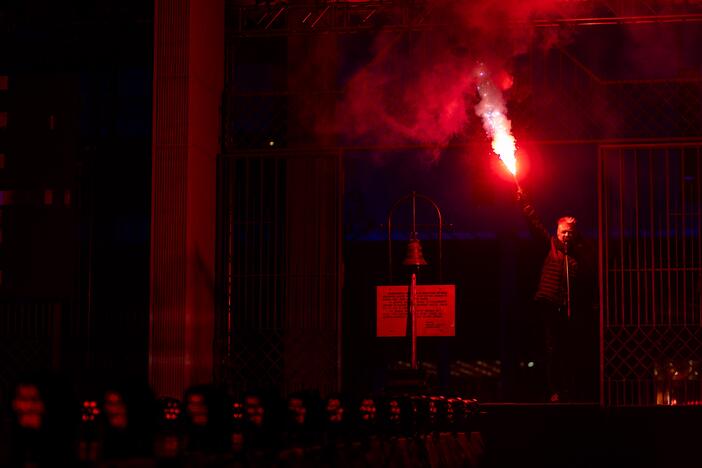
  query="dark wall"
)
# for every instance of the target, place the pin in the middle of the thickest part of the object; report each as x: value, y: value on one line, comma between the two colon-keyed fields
x: 80, y: 97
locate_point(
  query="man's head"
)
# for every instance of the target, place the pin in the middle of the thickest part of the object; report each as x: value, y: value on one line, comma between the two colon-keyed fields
x: 566, y: 229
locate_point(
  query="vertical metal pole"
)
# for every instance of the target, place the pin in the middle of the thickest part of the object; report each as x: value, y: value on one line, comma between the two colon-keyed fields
x: 654, y: 234
x: 697, y: 199
x: 668, y: 234
x: 683, y: 261
x: 622, y: 246
x: 603, y: 273
x: 339, y: 269
x: 413, y: 318
x: 567, y: 270
x: 413, y: 288
x: 414, y: 214
x: 636, y: 229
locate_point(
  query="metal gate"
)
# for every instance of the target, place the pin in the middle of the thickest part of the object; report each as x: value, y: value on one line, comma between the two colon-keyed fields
x: 650, y: 220
x: 279, y: 274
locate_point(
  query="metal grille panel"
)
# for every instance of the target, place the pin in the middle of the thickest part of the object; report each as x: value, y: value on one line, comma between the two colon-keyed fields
x: 570, y: 102
x: 651, y: 273
x: 279, y: 231
x: 254, y: 250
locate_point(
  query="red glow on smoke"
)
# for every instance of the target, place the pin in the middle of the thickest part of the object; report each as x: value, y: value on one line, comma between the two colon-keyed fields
x: 423, y: 90
x: 398, y: 101
x: 504, y: 80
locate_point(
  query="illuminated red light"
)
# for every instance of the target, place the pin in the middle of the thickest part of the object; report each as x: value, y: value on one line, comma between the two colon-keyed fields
x: 90, y: 410
x: 170, y: 410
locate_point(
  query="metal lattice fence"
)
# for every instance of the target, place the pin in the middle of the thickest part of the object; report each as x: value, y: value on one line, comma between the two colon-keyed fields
x: 651, y: 273
x: 279, y: 238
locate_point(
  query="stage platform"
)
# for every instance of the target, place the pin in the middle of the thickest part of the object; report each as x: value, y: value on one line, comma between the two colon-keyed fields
x: 587, y: 435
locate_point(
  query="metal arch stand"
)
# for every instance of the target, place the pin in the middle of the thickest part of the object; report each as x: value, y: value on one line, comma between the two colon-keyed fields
x: 440, y: 228
x: 412, y: 300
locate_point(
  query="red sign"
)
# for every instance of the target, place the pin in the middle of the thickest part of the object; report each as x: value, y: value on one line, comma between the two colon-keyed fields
x: 436, y: 310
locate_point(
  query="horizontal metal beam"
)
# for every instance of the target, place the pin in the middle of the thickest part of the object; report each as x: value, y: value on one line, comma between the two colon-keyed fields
x: 610, y: 20
x: 279, y: 18
x: 342, y: 17
x: 472, y: 143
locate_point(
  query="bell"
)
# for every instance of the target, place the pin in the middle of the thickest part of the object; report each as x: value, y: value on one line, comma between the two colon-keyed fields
x: 414, y: 253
